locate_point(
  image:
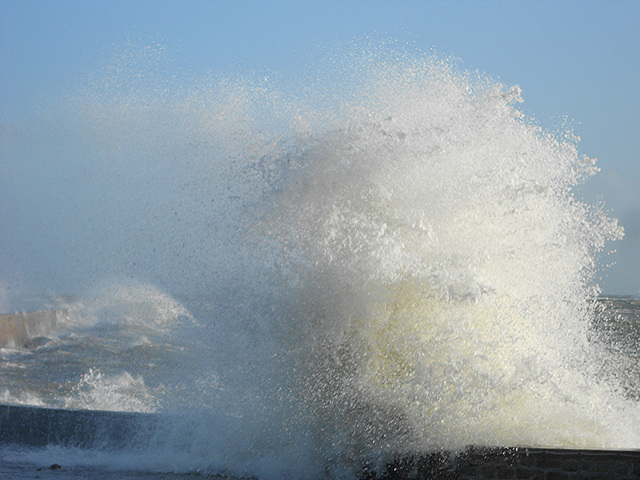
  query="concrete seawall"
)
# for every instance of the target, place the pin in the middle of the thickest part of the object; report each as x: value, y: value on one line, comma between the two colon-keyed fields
x: 38, y: 427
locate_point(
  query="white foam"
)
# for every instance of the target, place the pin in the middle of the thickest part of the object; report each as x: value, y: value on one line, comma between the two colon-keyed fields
x: 120, y: 392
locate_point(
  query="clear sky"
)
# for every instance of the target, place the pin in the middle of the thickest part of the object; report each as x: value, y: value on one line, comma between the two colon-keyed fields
x: 579, y: 60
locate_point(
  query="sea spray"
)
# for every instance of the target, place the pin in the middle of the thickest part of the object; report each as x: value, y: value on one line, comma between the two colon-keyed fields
x: 388, y: 259
x: 435, y: 241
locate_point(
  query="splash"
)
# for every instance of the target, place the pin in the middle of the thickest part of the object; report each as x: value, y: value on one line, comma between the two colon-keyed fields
x: 124, y: 392
x: 390, y: 258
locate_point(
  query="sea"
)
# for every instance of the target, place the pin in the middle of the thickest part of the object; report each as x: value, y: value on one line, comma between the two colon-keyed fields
x: 248, y: 276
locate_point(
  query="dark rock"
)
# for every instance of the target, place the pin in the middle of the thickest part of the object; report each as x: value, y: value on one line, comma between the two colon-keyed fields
x: 557, y: 476
x: 550, y: 460
x: 505, y: 472
x: 600, y: 465
x: 622, y: 467
x: 488, y: 471
x: 536, y: 475
x: 570, y: 465
x: 55, y: 466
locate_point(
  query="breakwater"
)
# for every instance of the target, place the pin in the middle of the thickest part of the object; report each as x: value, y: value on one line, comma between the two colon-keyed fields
x: 17, y: 330
x: 38, y: 427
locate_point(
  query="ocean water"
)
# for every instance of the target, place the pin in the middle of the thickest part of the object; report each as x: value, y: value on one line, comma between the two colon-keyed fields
x: 301, y: 278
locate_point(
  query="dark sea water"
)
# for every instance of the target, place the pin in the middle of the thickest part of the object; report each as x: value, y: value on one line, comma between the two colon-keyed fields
x: 298, y: 278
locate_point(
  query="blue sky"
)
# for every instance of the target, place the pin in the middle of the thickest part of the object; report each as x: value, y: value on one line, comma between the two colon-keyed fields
x: 579, y: 60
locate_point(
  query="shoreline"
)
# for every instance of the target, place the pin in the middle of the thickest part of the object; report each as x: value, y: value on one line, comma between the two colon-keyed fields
x: 37, y: 427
